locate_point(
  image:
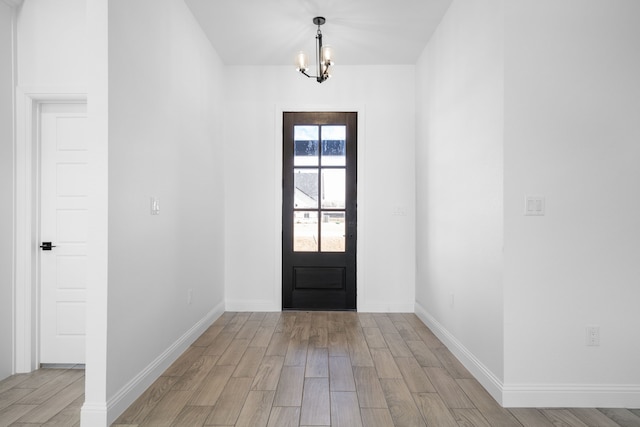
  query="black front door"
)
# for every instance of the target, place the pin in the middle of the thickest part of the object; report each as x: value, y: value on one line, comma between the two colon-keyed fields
x: 319, y: 211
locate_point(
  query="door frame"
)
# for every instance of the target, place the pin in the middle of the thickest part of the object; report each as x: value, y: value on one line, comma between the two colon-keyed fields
x: 278, y: 192
x: 26, y: 219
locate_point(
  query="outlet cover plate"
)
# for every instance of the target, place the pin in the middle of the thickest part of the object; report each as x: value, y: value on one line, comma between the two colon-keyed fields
x: 593, y: 336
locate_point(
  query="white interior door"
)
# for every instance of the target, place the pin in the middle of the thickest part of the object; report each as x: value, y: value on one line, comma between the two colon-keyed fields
x: 63, y: 222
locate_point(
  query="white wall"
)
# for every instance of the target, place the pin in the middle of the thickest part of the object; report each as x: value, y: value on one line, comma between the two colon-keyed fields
x: 547, y: 94
x: 94, y: 409
x: 50, y: 58
x: 52, y: 40
x: 459, y: 181
x: 572, y: 134
x: 165, y: 108
x: 6, y: 190
x: 255, y: 99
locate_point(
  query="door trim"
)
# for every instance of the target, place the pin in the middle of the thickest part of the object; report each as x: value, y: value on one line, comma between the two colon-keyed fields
x: 278, y: 192
x: 26, y: 217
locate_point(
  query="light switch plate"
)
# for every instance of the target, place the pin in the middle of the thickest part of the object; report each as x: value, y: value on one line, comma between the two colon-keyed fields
x: 155, y: 206
x: 534, y: 206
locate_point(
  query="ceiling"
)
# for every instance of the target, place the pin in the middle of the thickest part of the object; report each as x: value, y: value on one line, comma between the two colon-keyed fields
x: 271, y: 32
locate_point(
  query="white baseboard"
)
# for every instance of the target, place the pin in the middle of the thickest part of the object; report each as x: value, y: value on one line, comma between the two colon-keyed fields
x: 571, y: 396
x: 268, y: 305
x: 535, y: 395
x: 488, y: 379
x: 381, y: 307
x: 93, y: 414
x: 252, y: 305
x: 124, y: 397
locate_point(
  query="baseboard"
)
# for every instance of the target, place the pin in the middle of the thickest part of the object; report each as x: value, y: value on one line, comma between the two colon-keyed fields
x: 93, y: 414
x: 268, y: 305
x: 124, y: 397
x: 376, y: 307
x: 535, y: 395
x: 484, y: 375
x: 252, y: 305
x: 571, y: 396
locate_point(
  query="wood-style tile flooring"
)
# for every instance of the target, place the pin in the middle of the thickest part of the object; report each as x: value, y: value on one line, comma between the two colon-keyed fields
x: 301, y: 369
x: 46, y: 397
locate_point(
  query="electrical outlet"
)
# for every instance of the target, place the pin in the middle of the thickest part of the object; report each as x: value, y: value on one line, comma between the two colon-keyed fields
x: 593, y: 336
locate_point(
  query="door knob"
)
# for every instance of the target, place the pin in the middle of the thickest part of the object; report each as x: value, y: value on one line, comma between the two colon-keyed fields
x: 46, y: 246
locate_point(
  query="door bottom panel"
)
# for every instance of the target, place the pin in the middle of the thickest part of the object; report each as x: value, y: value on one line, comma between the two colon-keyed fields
x: 319, y: 278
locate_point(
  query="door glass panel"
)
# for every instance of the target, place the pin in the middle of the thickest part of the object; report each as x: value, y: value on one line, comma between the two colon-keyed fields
x: 305, y: 145
x: 333, y: 188
x: 305, y: 231
x: 333, y: 232
x: 306, y: 188
x: 333, y: 145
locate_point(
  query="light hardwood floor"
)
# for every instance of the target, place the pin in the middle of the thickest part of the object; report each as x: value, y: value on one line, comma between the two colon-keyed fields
x: 301, y: 369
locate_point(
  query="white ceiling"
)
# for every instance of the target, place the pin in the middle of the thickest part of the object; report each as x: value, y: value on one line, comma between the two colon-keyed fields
x: 271, y: 32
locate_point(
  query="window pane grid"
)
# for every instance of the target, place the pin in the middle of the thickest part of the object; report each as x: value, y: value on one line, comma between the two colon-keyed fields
x: 319, y: 203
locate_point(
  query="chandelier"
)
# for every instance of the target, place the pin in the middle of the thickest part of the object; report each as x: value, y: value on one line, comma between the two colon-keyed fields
x: 324, y: 56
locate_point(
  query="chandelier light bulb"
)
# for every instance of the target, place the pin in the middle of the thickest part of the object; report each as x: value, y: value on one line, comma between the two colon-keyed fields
x: 327, y: 55
x: 302, y: 63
